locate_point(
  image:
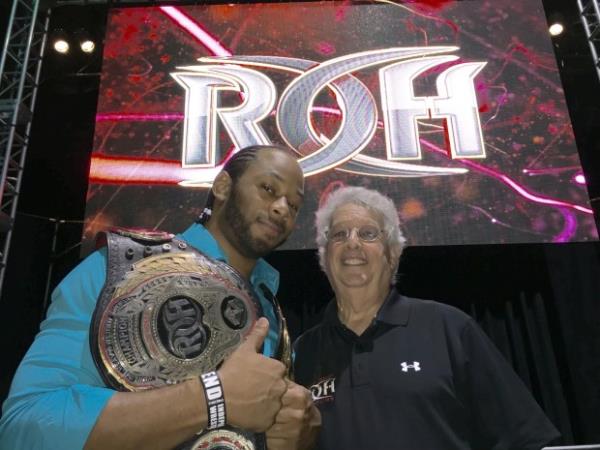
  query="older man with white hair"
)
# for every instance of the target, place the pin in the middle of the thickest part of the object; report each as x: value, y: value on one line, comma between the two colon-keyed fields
x: 391, y: 372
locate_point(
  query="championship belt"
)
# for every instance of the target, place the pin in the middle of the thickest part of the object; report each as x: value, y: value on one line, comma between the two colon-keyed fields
x: 168, y: 313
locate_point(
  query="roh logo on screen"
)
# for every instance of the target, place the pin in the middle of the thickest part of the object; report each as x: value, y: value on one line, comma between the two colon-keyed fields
x: 456, y: 102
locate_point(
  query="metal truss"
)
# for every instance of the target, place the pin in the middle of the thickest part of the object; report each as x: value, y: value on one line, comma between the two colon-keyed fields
x: 20, y: 66
x: 590, y: 16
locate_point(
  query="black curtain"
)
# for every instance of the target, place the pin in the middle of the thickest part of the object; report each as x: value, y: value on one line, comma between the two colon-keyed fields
x: 521, y: 329
x: 574, y: 277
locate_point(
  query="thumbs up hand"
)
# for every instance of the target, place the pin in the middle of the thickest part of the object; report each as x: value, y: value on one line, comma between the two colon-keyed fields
x: 253, y: 384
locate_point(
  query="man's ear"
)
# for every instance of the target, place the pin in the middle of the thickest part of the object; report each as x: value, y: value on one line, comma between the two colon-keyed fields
x: 394, y: 253
x: 221, y: 187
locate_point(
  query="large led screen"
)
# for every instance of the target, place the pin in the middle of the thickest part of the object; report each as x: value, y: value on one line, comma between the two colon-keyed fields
x: 453, y: 108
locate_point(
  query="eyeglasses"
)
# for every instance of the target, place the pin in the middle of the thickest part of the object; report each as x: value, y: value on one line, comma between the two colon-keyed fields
x: 366, y: 233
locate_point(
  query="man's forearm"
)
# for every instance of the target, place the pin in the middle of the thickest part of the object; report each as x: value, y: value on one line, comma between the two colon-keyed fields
x: 153, y: 419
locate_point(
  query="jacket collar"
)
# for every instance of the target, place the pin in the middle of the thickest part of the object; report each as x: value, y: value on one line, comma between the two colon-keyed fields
x: 199, y: 237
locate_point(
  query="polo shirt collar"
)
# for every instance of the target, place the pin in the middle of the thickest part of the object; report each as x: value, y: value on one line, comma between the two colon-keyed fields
x: 394, y: 311
x: 330, y: 316
x: 199, y: 237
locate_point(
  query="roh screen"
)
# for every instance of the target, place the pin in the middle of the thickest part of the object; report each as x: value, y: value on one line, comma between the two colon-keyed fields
x: 454, y: 109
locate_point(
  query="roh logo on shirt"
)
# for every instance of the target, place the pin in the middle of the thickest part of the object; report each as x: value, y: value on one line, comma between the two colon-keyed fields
x: 324, y: 390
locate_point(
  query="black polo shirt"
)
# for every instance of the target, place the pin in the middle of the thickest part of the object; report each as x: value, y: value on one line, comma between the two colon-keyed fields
x: 423, y: 376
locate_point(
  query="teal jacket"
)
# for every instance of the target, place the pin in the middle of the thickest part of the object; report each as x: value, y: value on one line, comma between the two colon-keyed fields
x: 57, y: 393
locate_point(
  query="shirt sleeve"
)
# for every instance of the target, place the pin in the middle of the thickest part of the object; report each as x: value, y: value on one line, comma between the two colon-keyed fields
x: 57, y: 393
x: 506, y: 415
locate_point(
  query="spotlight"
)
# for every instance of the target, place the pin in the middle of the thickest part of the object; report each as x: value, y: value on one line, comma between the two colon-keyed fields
x: 86, y: 43
x: 556, y: 29
x: 60, y: 41
x: 87, y: 46
x: 61, y: 46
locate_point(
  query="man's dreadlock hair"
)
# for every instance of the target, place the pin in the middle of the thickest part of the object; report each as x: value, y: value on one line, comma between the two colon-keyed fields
x: 235, y: 167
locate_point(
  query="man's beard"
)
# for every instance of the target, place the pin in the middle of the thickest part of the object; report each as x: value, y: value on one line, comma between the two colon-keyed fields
x: 240, y: 227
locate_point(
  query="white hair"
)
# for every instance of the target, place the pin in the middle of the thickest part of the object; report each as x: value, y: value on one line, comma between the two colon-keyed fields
x: 367, y: 198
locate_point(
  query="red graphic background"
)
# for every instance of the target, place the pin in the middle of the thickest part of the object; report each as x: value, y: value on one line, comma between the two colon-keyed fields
x: 529, y: 188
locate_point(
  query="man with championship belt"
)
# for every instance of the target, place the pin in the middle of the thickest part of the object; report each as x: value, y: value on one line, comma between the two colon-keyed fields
x: 59, y: 399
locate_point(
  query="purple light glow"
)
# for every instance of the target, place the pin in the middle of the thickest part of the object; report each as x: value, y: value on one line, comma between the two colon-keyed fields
x: 549, y: 170
x: 510, y: 182
x: 138, y: 117
x: 569, y: 228
x: 195, y: 29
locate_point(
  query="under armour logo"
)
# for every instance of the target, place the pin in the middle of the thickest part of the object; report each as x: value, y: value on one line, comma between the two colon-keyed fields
x: 416, y: 366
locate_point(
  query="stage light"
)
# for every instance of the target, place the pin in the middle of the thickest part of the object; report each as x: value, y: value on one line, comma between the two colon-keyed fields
x: 556, y: 29
x: 86, y: 43
x: 60, y: 41
x: 87, y: 46
x: 61, y: 46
